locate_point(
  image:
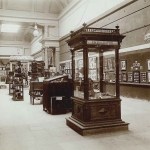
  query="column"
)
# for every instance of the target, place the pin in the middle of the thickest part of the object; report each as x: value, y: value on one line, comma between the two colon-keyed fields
x: 85, y: 70
x: 46, y: 58
x: 101, y: 70
x: 57, y: 58
x: 10, y: 66
x: 117, y: 71
x: 46, y: 34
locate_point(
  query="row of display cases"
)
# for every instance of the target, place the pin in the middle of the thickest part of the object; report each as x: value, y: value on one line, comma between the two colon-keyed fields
x: 133, y: 73
x: 134, y: 76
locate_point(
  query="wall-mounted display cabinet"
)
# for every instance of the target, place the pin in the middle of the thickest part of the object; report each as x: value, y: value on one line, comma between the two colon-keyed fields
x: 137, y: 70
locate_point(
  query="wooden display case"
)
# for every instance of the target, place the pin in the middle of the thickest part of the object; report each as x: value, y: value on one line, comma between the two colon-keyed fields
x: 95, y: 110
x: 36, y: 91
x: 18, y: 92
x: 10, y: 81
x: 11, y: 88
x: 37, y: 68
x: 66, y: 68
x: 56, y: 95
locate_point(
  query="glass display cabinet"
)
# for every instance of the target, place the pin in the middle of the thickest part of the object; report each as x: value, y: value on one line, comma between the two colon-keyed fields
x: 94, y: 109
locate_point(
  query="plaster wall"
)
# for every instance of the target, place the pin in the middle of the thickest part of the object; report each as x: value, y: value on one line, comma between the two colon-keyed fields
x: 132, y: 18
x: 84, y: 11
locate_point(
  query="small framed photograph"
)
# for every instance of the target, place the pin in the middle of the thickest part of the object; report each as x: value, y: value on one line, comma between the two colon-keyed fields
x: 124, y: 77
x: 120, y: 77
x: 130, y: 77
x: 143, y: 77
x: 148, y: 64
x: 123, y: 65
x: 148, y: 77
x: 136, y: 76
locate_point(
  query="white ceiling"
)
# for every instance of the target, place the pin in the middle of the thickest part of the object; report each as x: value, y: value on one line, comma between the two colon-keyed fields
x: 24, y: 12
x: 42, y: 6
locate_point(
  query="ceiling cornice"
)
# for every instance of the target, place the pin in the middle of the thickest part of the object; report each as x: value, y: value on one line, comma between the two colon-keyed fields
x: 22, y: 16
x: 68, y: 8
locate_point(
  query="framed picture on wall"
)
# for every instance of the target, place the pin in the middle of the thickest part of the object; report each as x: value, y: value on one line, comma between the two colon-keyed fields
x: 130, y: 77
x: 120, y: 77
x: 143, y: 77
x: 136, y: 76
x: 148, y: 64
x: 124, y: 77
x: 148, y: 77
x: 123, y: 65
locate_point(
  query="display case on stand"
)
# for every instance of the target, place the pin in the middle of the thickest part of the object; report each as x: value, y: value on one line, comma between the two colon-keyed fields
x: 94, y: 109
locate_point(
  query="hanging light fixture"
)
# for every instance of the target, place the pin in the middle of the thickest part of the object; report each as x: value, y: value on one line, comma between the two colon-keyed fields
x: 35, y: 32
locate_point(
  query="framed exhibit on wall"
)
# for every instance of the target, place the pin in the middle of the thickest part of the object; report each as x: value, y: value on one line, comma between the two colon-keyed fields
x: 124, y: 77
x: 143, y: 77
x: 148, y: 77
x: 148, y: 64
x: 136, y: 76
x: 123, y: 65
x: 130, y: 77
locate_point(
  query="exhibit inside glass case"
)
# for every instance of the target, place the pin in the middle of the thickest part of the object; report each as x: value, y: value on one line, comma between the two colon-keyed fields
x: 94, y: 109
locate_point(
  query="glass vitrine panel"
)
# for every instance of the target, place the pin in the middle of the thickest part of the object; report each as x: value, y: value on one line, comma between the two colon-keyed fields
x: 98, y: 88
x: 78, y: 76
x: 95, y: 87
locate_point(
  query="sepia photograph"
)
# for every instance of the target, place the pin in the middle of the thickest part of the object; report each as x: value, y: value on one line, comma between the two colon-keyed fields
x: 74, y: 74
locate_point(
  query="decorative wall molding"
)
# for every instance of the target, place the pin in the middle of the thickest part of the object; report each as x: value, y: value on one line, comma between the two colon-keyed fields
x: 131, y: 49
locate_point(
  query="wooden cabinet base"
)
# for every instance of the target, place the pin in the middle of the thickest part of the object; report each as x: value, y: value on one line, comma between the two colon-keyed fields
x: 95, y: 128
x: 95, y: 116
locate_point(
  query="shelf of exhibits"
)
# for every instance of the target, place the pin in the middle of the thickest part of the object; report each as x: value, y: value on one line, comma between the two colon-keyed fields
x: 134, y: 72
x: 94, y: 109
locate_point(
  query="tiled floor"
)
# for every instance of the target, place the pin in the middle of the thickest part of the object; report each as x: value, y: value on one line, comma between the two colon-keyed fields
x: 27, y: 127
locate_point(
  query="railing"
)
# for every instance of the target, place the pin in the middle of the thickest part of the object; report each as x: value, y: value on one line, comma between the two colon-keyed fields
x: 95, y: 30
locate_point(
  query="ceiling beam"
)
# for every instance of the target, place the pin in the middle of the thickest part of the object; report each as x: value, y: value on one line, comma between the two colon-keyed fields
x: 20, y: 16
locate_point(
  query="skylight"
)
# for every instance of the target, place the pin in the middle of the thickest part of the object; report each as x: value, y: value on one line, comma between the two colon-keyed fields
x: 11, y: 28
